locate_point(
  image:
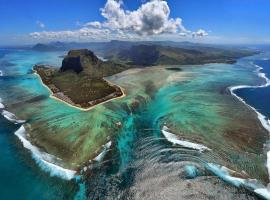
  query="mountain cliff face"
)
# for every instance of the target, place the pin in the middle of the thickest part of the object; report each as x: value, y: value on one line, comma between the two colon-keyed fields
x: 86, y: 62
x: 78, y: 60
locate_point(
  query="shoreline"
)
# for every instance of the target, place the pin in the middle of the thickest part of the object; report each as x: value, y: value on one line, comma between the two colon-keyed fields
x: 265, y: 122
x: 74, y: 106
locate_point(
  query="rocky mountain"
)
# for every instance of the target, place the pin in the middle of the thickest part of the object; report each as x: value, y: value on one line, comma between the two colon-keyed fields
x: 86, y: 62
x: 80, y: 80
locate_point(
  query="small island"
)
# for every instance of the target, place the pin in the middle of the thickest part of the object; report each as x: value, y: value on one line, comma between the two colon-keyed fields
x: 80, y: 81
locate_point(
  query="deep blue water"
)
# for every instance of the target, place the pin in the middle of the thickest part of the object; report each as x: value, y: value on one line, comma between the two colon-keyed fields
x: 3, y: 53
x: 265, y: 64
x: 25, y: 179
x: 259, y: 98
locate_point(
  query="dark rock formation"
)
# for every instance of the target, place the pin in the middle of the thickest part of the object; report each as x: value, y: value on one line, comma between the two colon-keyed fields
x: 72, y: 63
x: 85, y: 61
x: 174, y: 69
x: 78, y: 60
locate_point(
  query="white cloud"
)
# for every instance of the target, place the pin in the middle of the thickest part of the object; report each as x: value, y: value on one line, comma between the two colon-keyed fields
x: 82, y: 33
x: 151, y: 20
x: 40, y: 24
x: 95, y: 24
x: 183, y: 34
x: 200, y: 33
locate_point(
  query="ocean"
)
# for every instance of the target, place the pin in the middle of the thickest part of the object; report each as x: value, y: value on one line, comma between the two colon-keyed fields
x: 177, y: 129
x: 258, y: 97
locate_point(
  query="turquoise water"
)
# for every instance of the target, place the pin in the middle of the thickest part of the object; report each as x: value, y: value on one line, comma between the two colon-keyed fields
x: 201, y: 109
x: 194, y: 103
x: 21, y: 178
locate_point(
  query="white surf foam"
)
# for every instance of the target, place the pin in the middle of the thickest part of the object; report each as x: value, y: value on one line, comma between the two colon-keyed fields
x: 1, y: 73
x: 223, y: 173
x: 263, y: 119
x: 175, y: 140
x: 44, y: 160
x: 11, y: 117
x: 250, y: 184
x: 100, y: 156
x: 1, y: 104
x: 263, y: 192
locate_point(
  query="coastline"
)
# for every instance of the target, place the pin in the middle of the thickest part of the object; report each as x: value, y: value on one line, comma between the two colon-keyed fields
x: 43, y: 159
x: 80, y: 108
x: 265, y: 122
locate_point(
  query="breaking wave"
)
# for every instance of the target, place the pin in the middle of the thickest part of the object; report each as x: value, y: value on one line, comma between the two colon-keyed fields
x: 1, y: 104
x: 100, y: 156
x: 262, y: 190
x: 43, y: 159
x: 11, y: 117
x: 252, y: 185
x: 175, y: 140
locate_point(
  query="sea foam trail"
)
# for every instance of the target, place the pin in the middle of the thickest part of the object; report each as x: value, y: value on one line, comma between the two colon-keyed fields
x: 263, y: 119
x: 251, y: 184
x: 44, y: 160
x: 175, y: 140
x: 11, y: 117
x: 106, y: 147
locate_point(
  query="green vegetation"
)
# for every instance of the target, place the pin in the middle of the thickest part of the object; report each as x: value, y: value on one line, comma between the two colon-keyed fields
x: 83, y: 88
x: 148, y: 55
x: 79, y: 81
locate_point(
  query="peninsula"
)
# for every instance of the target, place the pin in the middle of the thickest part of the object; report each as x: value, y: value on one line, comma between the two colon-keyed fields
x: 80, y: 81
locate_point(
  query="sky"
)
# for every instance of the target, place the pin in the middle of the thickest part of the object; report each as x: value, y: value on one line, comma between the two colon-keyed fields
x: 209, y: 21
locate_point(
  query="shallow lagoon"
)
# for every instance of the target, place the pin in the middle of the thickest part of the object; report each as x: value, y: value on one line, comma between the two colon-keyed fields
x: 194, y: 103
